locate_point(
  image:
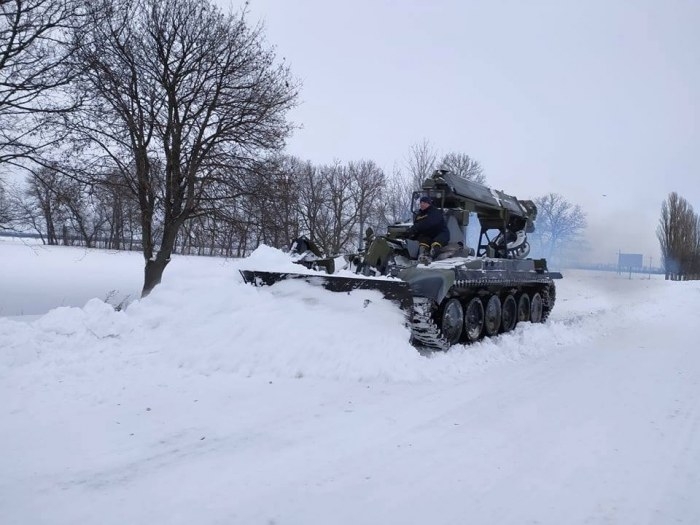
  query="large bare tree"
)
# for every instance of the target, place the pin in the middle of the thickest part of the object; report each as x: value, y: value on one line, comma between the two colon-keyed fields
x: 40, y: 204
x: 558, y: 223
x: 679, y: 237
x: 32, y: 54
x: 421, y: 162
x: 180, y: 94
x: 367, y: 195
x: 463, y: 166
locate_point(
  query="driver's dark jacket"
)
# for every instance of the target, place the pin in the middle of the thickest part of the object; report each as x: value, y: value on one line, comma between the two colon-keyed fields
x: 429, y: 226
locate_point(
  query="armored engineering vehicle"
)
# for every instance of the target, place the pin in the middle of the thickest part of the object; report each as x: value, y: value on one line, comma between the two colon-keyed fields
x: 465, y: 293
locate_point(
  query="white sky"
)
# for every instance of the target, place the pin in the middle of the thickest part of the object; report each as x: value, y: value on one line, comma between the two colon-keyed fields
x: 215, y: 402
x: 595, y: 100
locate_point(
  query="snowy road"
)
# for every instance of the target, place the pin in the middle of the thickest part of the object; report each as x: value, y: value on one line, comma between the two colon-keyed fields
x: 592, y: 418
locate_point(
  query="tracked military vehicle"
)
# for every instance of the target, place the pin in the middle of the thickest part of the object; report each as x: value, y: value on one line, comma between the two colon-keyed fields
x: 465, y: 293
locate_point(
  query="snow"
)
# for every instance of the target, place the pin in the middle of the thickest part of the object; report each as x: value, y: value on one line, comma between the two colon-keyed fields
x: 213, y: 401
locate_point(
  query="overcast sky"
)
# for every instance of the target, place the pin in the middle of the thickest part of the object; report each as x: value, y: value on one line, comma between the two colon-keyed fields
x: 595, y: 100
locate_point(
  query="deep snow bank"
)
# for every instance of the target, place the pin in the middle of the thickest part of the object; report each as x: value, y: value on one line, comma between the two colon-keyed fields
x: 203, y: 318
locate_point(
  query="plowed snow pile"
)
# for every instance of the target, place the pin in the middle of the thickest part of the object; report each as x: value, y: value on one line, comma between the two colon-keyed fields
x: 205, y: 319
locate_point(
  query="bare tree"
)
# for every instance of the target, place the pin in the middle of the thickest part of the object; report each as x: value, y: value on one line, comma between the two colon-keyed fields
x: 558, y: 223
x: 179, y: 94
x: 421, y: 162
x: 337, y: 212
x: 336, y: 202
x: 86, y: 216
x: 352, y: 194
x: 367, y: 190
x: 6, y: 213
x: 121, y: 215
x: 396, y: 204
x: 692, y: 262
x: 31, y: 73
x: 286, y: 194
x: 40, y: 204
x: 313, y: 192
x: 275, y: 206
x: 678, y: 233
x: 463, y: 166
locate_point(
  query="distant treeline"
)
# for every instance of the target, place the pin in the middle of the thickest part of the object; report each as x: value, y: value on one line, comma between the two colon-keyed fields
x: 611, y: 267
x: 279, y: 198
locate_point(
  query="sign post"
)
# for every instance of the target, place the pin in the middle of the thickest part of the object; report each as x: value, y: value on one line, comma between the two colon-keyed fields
x: 630, y: 262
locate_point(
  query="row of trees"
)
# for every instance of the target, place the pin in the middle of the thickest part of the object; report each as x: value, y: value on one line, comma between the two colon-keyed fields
x: 278, y: 198
x: 282, y: 198
x: 679, y: 237
x: 159, y: 125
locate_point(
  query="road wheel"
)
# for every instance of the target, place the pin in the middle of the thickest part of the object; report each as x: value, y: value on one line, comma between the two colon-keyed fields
x: 452, y: 321
x: 492, y: 317
x: 548, y: 297
x: 536, y: 308
x: 524, y: 308
x: 509, y: 312
x: 474, y: 319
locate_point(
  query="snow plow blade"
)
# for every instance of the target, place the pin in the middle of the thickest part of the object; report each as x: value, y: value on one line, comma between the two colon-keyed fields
x: 396, y: 291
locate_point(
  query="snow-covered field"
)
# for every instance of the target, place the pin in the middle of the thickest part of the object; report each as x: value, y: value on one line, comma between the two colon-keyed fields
x: 215, y: 402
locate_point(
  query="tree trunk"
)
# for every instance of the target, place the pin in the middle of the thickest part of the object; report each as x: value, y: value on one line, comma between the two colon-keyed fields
x: 156, y: 265
x: 153, y: 273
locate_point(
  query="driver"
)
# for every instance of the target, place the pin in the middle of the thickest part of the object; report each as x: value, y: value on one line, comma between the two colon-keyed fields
x: 429, y: 229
